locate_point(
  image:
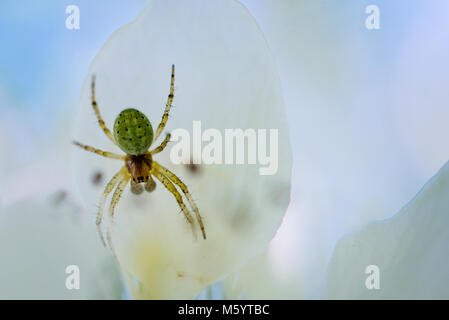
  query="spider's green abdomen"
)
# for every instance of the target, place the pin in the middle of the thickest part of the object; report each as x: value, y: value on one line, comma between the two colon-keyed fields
x: 133, y: 131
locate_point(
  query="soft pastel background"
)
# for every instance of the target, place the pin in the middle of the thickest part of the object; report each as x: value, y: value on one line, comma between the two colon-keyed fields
x: 367, y: 111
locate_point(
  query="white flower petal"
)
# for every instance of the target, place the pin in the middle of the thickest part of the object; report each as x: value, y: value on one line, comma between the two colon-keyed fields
x: 410, y: 250
x: 226, y: 78
x: 39, y: 239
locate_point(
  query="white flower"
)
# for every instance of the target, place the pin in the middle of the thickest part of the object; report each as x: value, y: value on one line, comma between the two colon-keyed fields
x: 410, y: 251
x: 39, y: 238
x: 370, y: 130
x: 226, y: 78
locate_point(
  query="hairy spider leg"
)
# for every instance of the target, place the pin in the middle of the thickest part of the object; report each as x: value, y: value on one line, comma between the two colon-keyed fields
x: 180, y: 184
x: 167, y: 106
x: 115, y: 199
x: 99, y: 152
x: 162, y: 146
x: 172, y: 189
x: 109, y: 187
x: 97, y: 112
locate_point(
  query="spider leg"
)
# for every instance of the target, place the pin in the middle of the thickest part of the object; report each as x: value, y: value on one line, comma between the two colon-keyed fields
x: 115, y: 199
x: 150, y: 185
x: 97, y: 112
x: 162, y: 146
x: 99, y: 152
x: 167, y: 106
x: 109, y: 187
x: 171, y: 187
x: 180, y: 184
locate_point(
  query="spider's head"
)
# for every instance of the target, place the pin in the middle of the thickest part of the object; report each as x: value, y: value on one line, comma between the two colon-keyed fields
x: 133, y: 132
x: 140, y: 179
x: 139, y: 167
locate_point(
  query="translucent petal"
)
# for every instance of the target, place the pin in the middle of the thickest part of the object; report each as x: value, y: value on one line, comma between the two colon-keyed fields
x: 409, y: 249
x: 226, y: 78
x: 39, y: 239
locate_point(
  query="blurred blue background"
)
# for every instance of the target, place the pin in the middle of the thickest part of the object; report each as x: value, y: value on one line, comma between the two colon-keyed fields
x: 368, y: 109
x: 43, y: 63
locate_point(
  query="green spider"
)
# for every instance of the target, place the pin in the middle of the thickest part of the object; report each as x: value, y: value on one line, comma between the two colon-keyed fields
x: 133, y: 134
